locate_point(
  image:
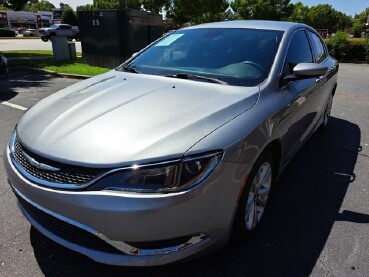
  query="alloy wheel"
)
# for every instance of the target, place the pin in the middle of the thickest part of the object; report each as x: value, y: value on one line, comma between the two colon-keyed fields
x: 258, y: 196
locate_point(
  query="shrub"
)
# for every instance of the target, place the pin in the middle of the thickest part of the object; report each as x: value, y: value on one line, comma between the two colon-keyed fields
x: 339, y: 45
x: 349, y: 50
x: 366, y: 46
x: 6, y: 33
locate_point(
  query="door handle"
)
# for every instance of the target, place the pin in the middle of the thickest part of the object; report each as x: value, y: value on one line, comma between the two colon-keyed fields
x: 319, y: 79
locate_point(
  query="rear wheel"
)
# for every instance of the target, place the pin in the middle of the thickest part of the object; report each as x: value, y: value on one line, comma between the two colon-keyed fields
x: 70, y: 38
x: 254, y: 198
x: 45, y: 39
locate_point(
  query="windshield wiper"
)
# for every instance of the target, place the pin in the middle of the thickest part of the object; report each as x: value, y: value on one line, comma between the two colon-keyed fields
x: 197, y: 77
x: 131, y: 69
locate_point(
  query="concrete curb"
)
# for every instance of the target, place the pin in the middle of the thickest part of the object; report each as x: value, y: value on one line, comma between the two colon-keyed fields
x: 29, y: 58
x: 49, y: 72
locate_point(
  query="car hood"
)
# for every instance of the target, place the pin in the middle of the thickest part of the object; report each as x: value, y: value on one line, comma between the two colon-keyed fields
x: 117, y: 118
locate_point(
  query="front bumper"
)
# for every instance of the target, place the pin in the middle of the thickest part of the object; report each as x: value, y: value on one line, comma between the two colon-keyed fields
x: 187, y: 223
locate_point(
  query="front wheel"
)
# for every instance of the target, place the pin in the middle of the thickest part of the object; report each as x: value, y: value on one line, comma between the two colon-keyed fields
x: 327, y: 114
x: 328, y: 110
x: 254, y: 198
x: 45, y: 39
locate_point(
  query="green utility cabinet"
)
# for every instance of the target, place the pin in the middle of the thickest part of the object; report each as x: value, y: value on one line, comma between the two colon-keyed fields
x: 109, y: 37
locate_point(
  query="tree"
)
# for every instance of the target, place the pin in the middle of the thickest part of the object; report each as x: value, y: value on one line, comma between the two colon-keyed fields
x: 69, y: 17
x: 154, y: 6
x: 359, y: 23
x: 169, y: 25
x: 343, y: 21
x: 230, y: 14
x: 262, y: 9
x: 16, y: 5
x: 195, y: 11
x: 4, y: 8
x: 299, y: 13
x: 43, y: 5
x: 87, y: 7
x: 323, y: 16
x: 63, y: 6
x: 116, y: 4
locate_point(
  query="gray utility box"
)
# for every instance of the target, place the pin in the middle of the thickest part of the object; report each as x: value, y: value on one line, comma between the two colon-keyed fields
x: 72, y: 50
x: 109, y: 37
x: 60, y: 47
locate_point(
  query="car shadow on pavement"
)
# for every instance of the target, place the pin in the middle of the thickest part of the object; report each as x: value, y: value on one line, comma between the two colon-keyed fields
x: 5, y: 96
x: 21, y: 80
x: 305, y: 205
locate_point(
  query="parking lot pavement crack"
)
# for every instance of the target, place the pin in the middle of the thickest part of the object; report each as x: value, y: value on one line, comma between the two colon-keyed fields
x: 5, y: 192
x: 325, y: 267
x: 364, y: 155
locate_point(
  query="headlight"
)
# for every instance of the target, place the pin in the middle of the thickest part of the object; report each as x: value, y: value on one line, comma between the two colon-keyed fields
x: 163, y: 177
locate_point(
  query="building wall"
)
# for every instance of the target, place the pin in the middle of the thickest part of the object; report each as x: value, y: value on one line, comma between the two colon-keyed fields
x: 18, y: 19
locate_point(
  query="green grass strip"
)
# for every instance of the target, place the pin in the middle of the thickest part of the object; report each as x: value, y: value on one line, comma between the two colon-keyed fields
x: 68, y: 67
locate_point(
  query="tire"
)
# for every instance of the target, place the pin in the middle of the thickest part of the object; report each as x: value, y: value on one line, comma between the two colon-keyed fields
x: 45, y: 39
x: 70, y: 38
x: 327, y: 113
x: 254, y: 198
x: 76, y: 37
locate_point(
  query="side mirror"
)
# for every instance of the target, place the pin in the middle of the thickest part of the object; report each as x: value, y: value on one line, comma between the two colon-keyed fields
x: 309, y: 70
x: 306, y: 71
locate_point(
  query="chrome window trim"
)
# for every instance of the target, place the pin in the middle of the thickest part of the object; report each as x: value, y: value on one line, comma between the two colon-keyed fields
x: 323, y: 44
x: 304, y: 29
x: 122, y: 246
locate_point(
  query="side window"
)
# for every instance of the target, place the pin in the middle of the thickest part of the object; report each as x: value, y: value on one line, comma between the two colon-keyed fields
x: 319, y: 49
x: 298, y: 52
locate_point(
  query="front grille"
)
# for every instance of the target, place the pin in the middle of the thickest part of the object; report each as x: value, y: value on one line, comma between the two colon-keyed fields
x: 67, y: 231
x: 68, y: 174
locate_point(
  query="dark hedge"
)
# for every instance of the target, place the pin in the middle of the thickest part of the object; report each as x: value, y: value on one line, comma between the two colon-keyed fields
x: 349, y: 50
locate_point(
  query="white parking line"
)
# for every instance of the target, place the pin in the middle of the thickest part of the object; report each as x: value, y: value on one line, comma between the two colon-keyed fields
x: 15, y: 106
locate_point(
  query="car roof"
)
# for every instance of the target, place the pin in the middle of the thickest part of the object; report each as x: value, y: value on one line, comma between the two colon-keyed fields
x: 252, y: 24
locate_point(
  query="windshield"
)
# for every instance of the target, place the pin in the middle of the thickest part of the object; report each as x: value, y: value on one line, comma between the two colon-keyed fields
x: 53, y: 26
x: 240, y: 57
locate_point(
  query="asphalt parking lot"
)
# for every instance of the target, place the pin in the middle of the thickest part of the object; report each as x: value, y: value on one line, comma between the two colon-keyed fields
x: 317, y: 222
x: 30, y: 44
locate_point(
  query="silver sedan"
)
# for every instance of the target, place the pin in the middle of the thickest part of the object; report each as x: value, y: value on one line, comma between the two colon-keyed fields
x: 174, y: 152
